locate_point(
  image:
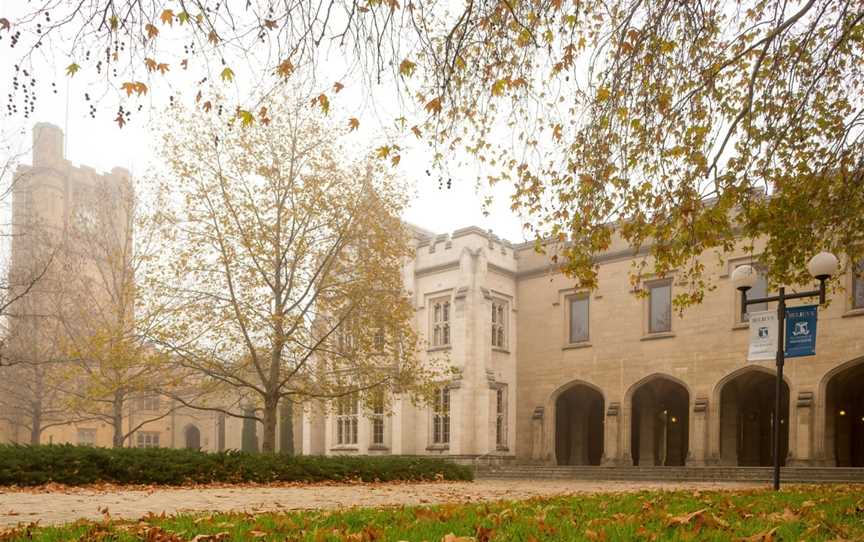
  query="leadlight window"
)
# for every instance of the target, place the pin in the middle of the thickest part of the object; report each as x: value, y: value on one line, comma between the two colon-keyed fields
x: 148, y: 403
x: 578, y: 319
x: 147, y: 439
x: 858, y: 286
x: 378, y: 420
x: 441, y: 322
x: 86, y: 437
x: 346, y: 420
x: 660, y: 307
x: 501, y: 417
x: 441, y: 416
x: 760, y: 289
x: 499, y: 324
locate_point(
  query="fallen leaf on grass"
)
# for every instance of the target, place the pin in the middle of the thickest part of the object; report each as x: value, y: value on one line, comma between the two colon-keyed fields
x: 767, y: 536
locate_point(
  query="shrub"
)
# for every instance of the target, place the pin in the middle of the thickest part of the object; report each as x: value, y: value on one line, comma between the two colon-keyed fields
x: 78, y: 465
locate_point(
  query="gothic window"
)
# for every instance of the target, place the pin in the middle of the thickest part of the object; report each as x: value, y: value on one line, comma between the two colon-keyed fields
x: 858, y: 286
x: 86, y: 437
x: 501, y: 417
x: 760, y: 289
x: 441, y: 416
x: 346, y: 420
x: 578, y: 318
x: 378, y: 419
x: 148, y: 402
x: 660, y: 307
x: 147, y: 439
x: 440, y: 322
x: 499, y: 324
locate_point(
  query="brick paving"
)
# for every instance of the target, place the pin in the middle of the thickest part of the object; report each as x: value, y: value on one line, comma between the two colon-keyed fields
x: 69, y: 504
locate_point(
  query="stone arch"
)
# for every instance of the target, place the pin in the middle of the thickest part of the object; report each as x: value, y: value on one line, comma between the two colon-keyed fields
x: 840, y: 415
x: 577, y: 424
x: 744, y: 404
x: 192, y: 437
x: 659, y: 407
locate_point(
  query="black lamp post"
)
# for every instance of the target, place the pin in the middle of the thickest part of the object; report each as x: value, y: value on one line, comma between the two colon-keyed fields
x: 821, y: 266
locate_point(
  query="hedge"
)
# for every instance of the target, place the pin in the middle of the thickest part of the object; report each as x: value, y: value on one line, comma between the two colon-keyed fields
x: 79, y: 465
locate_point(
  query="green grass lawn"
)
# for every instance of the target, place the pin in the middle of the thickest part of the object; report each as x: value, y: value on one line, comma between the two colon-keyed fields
x: 834, y: 512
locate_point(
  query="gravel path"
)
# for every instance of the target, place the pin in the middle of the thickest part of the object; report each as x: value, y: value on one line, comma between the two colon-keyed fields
x: 65, y: 505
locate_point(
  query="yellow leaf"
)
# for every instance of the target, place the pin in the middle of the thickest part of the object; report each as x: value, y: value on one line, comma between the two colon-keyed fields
x: 603, y: 94
x: 115, y: 23
x: 337, y: 86
x: 150, y: 63
x: 167, y: 17
x: 353, y: 124
x: 152, y: 31
x: 246, y: 118
x: 72, y: 69
x: 129, y: 87
x: 556, y: 132
x: 434, y: 105
x: 162, y: 67
x: 227, y: 74
x: 183, y: 17
x: 406, y: 68
x: 382, y: 152
x: 498, y: 87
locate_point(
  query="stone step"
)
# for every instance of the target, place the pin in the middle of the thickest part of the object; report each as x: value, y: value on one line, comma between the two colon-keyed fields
x: 717, y: 473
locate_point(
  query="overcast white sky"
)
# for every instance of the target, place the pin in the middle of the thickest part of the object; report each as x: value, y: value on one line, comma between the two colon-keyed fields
x: 99, y: 143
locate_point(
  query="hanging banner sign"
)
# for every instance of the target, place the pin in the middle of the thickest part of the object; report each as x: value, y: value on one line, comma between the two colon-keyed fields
x: 763, y: 336
x: 801, y: 331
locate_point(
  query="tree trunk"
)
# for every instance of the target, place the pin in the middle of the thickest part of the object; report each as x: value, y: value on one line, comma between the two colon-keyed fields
x: 117, y: 420
x: 271, y: 415
x: 36, y: 423
x: 286, y: 428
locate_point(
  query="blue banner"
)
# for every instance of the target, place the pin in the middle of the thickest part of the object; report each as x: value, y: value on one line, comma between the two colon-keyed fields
x: 801, y: 331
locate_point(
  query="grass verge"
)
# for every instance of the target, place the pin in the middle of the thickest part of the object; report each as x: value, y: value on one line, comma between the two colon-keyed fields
x: 834, y: 512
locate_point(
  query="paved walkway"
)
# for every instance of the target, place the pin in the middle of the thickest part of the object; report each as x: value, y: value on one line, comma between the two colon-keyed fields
x: 60, y: 506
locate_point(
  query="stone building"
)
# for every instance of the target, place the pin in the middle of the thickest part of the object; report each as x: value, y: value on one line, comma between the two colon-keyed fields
x: 559, y: 375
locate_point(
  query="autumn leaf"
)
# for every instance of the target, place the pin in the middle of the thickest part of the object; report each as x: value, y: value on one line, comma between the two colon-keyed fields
x: 337, y: 86
x: 167, y: 17
x: 395, y: 159
x: 382, y: 152
x: 434, y: 105
x: 72, y: 69
x: 213, y: 37
x: 557, y: 132
x: 406, y: 68
x: 114, y: 22
x: 152, y: 31
x: 184, y: 63
x: 4, y: 24
x: 323, y: 101
x: 416, y: 130
x: 183, y: 17
x: 603, y: 94
x: 207, y: 106
x: 227, y: 74
x: 162, y: 68
x: 120, y: 120
x: 150, y: 64
x: 198, y: 97
x: 137, y: 87
x: 269, y: 24
x: 285, y: 68
x: 353, y: 124
x: 767, y: 536
x: 246, y: 118
x: 498, y: 87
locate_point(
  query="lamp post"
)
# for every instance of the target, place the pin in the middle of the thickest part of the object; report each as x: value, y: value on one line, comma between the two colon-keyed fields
x: 821, y: 266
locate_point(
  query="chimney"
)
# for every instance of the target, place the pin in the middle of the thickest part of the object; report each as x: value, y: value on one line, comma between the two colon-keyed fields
x: 47, y: 144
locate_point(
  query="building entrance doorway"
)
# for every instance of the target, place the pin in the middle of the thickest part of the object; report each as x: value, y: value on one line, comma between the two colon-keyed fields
x: 193, y: 437
x: 844, y: 417
x: 747, y: 420
x: 660, y: 423
x: 579, y: 426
